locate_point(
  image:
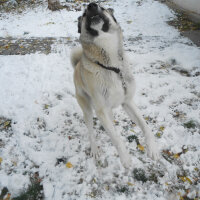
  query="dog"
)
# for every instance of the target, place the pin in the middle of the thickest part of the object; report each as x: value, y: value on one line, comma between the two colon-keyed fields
x: 103, y: 80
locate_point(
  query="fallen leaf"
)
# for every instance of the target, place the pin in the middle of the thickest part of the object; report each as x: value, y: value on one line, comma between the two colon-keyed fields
x: 140, y: 147
x: 69, y: 165
x: 6, y: 124
x: 1, y: 159
x: 7, y: 46
x: 162, y: 128
x: 177, y: 155
x: 147, y: 118
x: 181, y: 198
x: 92, y: 195
x: 158, y: 134
x: 116, y: 122
x: 196, y: 169
x: 184, y: 179
x: 8, y: 196
x: 107, y: 187
x: 46, y: 106
x: 167, y: 152
x: 94, y: 180
x: 69, y: 137
x: 130, y: 184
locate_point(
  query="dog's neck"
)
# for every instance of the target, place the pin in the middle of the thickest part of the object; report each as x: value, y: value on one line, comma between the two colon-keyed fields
x: 99, y: 54
x: 95, y: 53
x: 107, y: 51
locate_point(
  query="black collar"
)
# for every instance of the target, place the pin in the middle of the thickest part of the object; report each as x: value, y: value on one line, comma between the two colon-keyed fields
x: 116, y: 70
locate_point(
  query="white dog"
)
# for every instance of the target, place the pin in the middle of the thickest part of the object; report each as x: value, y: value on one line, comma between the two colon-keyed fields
x: 103, y: 80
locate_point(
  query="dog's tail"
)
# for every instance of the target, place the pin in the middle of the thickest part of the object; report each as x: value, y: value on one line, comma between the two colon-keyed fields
x: 75, y: 56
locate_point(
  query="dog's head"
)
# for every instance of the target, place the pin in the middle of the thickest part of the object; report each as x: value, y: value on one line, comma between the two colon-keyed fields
x: 95, y: 19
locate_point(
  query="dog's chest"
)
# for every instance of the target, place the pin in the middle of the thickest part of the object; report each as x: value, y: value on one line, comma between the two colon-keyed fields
x: 112, y: 89
x: 116, y: 92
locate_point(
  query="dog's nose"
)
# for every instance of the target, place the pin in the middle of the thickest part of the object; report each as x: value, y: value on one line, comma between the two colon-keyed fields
x: 92, y: 6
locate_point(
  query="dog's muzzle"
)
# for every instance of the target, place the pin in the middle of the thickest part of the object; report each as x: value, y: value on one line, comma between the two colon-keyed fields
x: 92, y: 7
x: 94, y: 13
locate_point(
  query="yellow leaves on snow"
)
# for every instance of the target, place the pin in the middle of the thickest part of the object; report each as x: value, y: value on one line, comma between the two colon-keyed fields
x: 196, y: 169
x: 7, y: 124
x: 177, y: 155
x: 185, y: 179
x: 140, y: 147
x: 147, y: 118
x: 162, y: 128
x: 130, y: 184
x: 69, y: 165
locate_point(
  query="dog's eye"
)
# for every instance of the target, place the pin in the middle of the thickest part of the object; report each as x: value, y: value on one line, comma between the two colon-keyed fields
x: 111, y: 11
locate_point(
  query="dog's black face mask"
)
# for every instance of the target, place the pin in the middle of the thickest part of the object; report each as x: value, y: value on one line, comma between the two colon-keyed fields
x: 94, y: 14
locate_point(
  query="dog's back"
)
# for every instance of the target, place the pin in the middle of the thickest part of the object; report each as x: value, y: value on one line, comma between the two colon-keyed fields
x: 75, y: 56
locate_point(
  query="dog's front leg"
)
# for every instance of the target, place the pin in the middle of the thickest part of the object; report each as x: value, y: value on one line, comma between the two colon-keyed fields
x: 104, y: 117
x: 135, y: 116
x: 85, y: 105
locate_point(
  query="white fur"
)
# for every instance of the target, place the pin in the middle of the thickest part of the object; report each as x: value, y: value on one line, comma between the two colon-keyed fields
x: 76, y: 56
x: 109, y: 93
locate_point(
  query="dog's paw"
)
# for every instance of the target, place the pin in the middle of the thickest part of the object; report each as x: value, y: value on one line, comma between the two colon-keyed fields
x: 125, y: 157
x: 152, y: 150
x: 126, y: 160
x: 95, y: 153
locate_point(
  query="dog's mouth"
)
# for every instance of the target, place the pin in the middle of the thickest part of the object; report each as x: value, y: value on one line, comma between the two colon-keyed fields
x: 95, y: 19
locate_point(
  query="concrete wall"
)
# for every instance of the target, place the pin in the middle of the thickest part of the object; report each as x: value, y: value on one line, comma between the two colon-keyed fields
x: 189, y: 5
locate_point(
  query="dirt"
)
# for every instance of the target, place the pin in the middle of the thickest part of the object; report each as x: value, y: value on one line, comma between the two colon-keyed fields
x: 22, y: 46
x: 187, y: 23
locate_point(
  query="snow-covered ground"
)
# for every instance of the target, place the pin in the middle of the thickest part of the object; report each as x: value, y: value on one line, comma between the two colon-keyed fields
x: 37, y: 94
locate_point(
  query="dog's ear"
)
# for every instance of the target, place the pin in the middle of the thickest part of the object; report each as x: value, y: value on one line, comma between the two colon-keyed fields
x: 111, y: 11
x: 79, y: 24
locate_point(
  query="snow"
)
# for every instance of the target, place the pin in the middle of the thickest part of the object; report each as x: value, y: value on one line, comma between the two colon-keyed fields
x: 40, y: 23
x: 37, y: 93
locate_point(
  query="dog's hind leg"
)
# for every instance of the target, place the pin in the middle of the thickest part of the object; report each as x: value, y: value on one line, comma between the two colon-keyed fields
x: 85, y: 105
x: 135, y: 115
x: 111, y: 115
x: 104, y: 117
